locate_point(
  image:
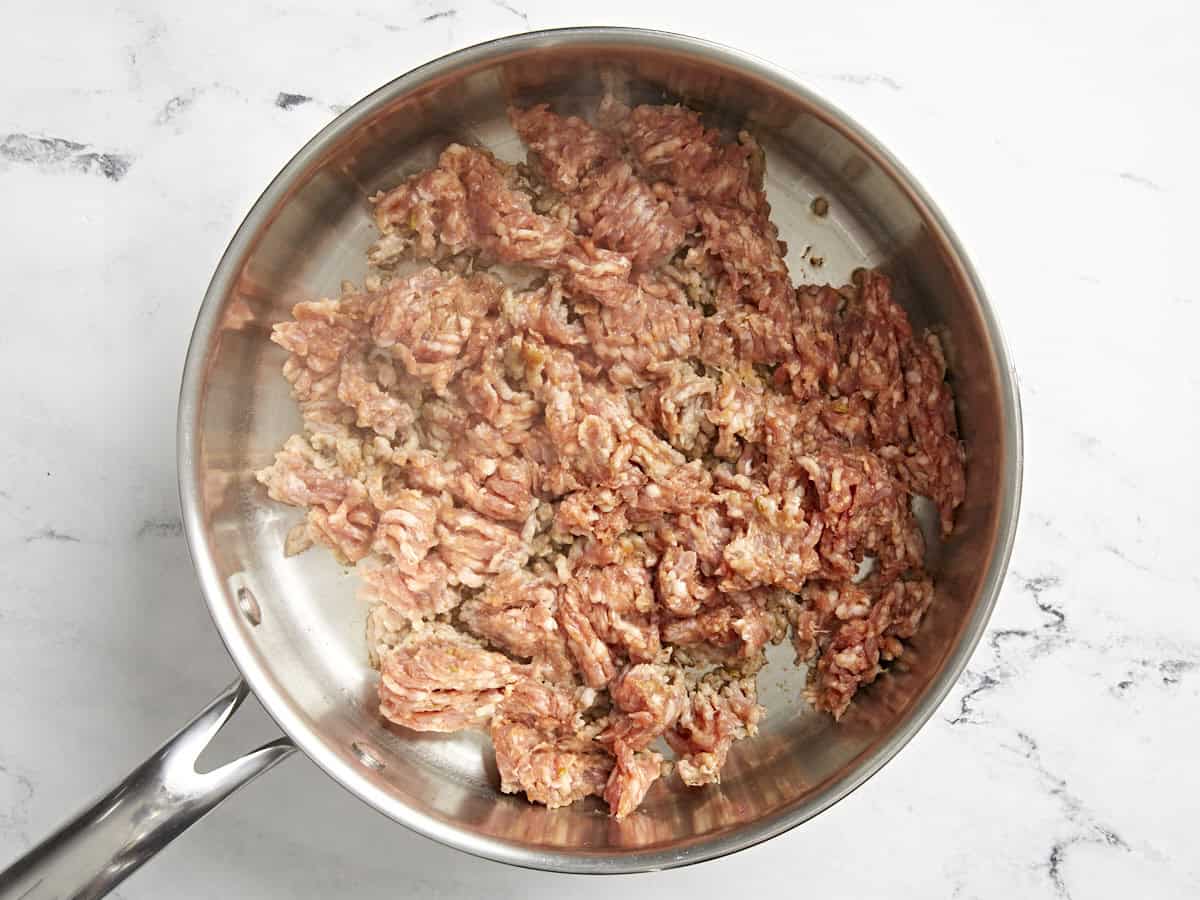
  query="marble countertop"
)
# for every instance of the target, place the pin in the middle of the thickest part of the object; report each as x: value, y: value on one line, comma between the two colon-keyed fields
x: 1059, y: 140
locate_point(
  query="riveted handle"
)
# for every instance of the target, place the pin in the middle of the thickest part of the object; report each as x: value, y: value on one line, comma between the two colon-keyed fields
x: 95, y: 851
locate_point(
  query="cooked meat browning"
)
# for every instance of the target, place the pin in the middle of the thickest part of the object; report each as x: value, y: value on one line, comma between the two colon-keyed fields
x: 594, y: 452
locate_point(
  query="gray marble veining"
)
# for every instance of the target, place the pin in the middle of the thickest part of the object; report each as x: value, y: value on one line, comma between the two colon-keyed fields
x: 1052, y: 137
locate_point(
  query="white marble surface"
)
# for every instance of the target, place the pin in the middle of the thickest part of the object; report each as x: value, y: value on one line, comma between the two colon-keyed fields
x: 1059, y: 140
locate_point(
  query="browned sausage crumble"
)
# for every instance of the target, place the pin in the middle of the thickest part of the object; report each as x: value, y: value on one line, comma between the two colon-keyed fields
x: 595, y: 452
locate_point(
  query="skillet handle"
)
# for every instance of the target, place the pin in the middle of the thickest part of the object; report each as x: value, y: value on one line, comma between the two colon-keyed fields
x: 94, y: 852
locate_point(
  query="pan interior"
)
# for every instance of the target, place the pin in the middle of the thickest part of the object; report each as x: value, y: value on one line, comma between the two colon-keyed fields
x: 306, y: 657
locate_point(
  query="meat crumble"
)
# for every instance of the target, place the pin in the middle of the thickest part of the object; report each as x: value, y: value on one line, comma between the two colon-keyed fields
x: 593, y: 452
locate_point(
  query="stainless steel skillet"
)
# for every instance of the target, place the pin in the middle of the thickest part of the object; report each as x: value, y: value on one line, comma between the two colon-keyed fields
x: 293, y: 627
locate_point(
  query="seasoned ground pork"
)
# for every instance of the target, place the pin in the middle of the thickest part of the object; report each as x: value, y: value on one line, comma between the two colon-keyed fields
x: 593, y: 452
